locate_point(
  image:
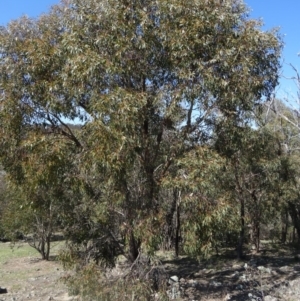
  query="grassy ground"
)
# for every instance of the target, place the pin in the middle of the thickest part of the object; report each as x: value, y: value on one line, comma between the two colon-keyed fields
x: 8, y: 251
x: 27, y: 277
x: 20, y: 249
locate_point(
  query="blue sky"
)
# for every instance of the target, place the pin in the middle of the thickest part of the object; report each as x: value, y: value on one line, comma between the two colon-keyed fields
x: 13, y: 9
x: 283, y: 14
x: 275, y: 13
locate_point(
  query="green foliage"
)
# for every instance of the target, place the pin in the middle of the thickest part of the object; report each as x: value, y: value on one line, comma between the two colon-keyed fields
x: 164, y: 92
x: 37, y: 200
x: 204, y: 204
x: 282, y: 121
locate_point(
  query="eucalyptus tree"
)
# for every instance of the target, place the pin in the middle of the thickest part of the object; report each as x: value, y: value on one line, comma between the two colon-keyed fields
x: 282, y: 121
x: 251, y: 162
x: 149, y: 81
x: 37, y: 200
x: 202, y: 203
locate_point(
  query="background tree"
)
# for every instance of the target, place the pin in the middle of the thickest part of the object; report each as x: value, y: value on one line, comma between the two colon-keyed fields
x: 203, y: 204
x: 39, y: 195
x: 281, y: 120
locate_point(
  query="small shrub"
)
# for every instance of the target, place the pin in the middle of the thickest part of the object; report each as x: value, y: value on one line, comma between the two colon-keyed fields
x: 141, y: 281
x: 92, y: 285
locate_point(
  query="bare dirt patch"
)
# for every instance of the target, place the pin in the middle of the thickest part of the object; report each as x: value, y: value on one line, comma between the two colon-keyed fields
x: 29, y: 277
x: 271, y: 275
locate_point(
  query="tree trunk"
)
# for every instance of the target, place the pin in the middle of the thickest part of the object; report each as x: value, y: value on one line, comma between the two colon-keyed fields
x: 134, y: 246
x: 47, y: 251
x: 168, y: 242
x: 295, y: 215
x: 284, y: 226
x: 256, y: 235
x: 256, y: 217
x: 240, y: 254
x: 177, y: 229
x: 42, y: 248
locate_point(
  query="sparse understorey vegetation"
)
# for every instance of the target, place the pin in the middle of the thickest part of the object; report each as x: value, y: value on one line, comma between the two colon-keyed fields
x: 134, y: 127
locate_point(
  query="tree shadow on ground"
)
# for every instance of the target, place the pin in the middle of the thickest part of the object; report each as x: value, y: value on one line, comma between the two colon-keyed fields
x: 223, y: 276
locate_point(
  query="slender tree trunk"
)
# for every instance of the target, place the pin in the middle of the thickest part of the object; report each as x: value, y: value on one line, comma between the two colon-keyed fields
x: 284, y: 226
x: 256, y: 220
x: 169, y: 239
x: 42, y: 248
x: 177, y: 230
x: 256, y: 232
x: 48, y: 242
x: 240, y: 254
x: 134, y: 246
x: 295, y: 215
x: 239, y: 190
x: 294, y: 235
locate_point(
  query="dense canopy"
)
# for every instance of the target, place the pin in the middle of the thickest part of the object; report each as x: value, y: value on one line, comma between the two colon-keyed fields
x: 135, y: 125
